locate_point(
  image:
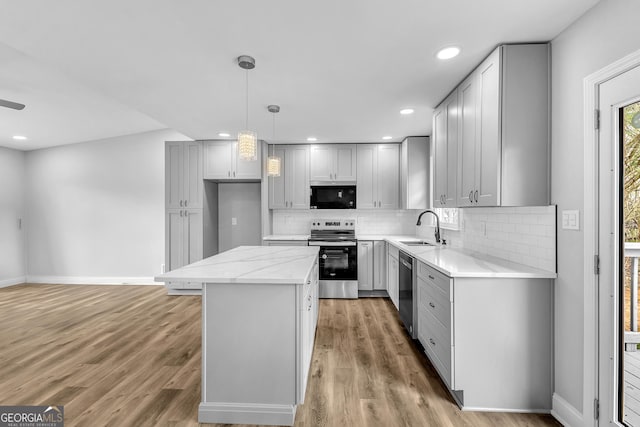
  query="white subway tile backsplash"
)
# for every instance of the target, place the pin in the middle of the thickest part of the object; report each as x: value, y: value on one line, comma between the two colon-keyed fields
x: 526, y: 235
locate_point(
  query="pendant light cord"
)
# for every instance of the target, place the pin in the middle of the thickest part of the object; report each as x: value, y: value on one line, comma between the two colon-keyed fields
x: 273, y: 134
x: 246, y: 122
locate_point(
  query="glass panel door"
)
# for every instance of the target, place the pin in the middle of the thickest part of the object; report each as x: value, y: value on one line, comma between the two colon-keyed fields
x: 629, y: 354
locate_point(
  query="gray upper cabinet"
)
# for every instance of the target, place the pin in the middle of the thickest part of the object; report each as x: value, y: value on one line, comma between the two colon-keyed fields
x: 183, y: 172
x: 291, y: 189
x: 332, y: 163
x: 221, y: 162
x: 445, y: 152
x: 378, y: 173
x: 414, y: 173
x: 503, y: 129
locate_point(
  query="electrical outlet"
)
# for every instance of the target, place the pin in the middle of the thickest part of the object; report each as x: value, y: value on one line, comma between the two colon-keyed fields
x: 234, y: 221
x: 483, y: 228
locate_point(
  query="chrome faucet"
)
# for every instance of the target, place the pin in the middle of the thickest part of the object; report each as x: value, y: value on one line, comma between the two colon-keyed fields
x: 437, y: 233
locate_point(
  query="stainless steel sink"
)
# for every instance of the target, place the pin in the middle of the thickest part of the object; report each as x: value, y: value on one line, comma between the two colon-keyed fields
x: 415, y: 243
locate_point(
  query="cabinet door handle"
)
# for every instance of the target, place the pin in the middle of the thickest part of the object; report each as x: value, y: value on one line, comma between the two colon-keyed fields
x: 181, y: 213
x: 431, y: 277
x: 433, y: 343
x: 431, y: 305
x: 186, y: 213
x: 180, y: 203
x: 229, y: 174
x: 379, y: 204
x: 471, y: 196
x: 185, y: 203
x: 234, y: 174
x: 476, y: 196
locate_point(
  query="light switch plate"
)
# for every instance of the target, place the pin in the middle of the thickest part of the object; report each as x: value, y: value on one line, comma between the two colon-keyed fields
x: 571, y: 220
x: 234, y: 221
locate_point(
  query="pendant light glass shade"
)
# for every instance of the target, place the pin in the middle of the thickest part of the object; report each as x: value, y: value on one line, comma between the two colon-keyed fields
x: 273, y: 166
x: 248, y: 145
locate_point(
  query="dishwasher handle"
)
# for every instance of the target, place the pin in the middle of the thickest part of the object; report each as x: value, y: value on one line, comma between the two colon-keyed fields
x: 406, y: 264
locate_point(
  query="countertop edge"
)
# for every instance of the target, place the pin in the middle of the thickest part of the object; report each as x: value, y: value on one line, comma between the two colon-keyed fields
x: 201, y: 275
x: 526, y: 273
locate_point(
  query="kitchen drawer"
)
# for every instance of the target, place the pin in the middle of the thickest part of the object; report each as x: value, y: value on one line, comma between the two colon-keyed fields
x: 393, y: 251
x: 437, y: 345
x: 434, y: 302
x: 430, y: 275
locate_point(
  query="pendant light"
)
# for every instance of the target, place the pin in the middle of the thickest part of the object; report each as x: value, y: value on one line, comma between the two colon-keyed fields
x: 273, y: 161
x: 247, y: 140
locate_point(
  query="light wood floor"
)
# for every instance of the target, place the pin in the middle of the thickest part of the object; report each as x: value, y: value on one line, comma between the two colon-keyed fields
x: 130, y: 356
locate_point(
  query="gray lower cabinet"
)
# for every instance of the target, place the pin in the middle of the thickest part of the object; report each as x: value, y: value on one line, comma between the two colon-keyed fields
x: 184, y: 245
x: 380, y: 265
x: 393, y: 275
x: 490, y: 339
x: 365, y: 265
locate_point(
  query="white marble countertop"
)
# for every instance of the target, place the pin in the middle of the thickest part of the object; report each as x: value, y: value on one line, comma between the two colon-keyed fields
x: 249, y: 264
x: 463, y: 263
x: 286, y: 237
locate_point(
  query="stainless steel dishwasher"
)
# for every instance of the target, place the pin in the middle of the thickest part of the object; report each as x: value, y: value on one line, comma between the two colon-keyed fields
x: 407, y: 291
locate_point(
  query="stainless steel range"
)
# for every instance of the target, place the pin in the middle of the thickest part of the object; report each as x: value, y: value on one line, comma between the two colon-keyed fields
x: 338, y: 257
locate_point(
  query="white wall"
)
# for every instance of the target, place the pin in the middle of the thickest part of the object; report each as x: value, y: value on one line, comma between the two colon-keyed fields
x: 96, y: 210
x: 604, y: 34
x: 12, y: 256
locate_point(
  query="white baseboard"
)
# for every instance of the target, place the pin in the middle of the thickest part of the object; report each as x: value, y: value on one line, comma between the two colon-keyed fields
x: 565, y: 413
x: 12, y: 281
x: 171, y: 291
x: 250, y: 413
x: 80, y: 280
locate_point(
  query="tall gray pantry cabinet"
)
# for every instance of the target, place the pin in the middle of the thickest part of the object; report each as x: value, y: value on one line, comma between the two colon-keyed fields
x: 184, y: 214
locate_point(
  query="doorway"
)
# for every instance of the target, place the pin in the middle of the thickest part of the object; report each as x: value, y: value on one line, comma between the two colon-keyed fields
x: 618, y: 247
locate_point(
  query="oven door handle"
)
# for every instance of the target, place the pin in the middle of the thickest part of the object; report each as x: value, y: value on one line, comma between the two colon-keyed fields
x: 332, y: 243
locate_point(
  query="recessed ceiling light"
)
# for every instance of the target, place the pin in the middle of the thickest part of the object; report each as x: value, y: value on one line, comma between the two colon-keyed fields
x: 448, y: 52
x: 19, y: 137
x: 312, y: 139
x: 386, y: 138
x: 406, y: 111
x: 224, y: 134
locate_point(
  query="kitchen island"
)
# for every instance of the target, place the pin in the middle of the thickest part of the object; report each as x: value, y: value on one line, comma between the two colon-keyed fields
x: 259, y: 316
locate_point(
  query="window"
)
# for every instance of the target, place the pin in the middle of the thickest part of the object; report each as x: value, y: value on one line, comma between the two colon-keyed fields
x: 449, y: 218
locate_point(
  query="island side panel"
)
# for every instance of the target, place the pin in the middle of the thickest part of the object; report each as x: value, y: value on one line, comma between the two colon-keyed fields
x: 249, y: 339
x: 503, y: 343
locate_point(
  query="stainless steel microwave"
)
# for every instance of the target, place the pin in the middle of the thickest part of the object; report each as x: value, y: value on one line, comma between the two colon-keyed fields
x: 333, y: 197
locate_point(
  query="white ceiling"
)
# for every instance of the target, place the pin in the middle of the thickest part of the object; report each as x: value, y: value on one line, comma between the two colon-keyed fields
x: 340, y: 70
